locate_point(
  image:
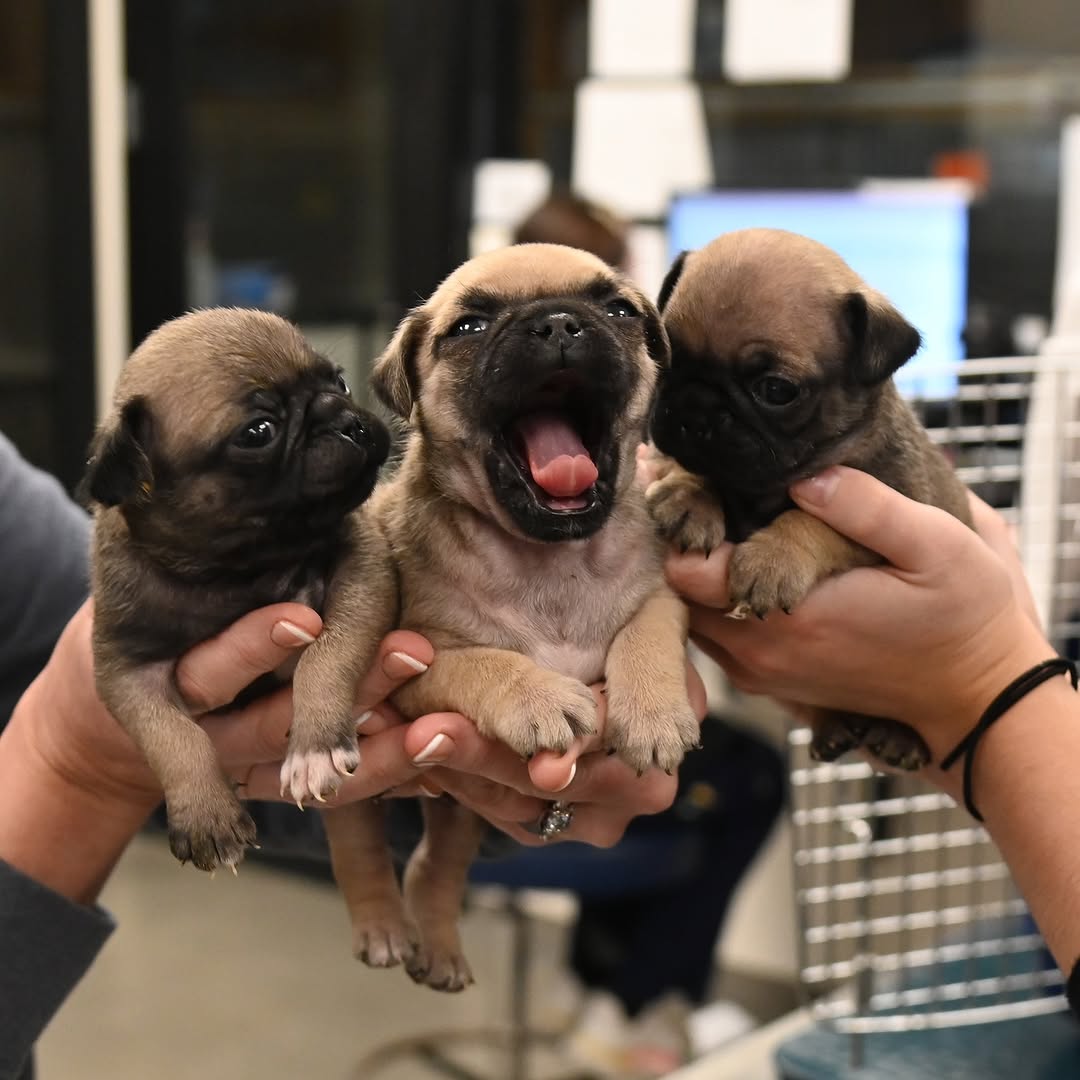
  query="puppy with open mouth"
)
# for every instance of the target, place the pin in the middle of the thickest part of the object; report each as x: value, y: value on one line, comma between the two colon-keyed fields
x: 782, y: 364
x: 227, y: 477
x: 524, y: 550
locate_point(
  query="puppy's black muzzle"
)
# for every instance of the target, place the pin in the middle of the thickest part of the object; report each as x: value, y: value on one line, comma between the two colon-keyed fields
x: 564, y: 341
x: 345, y: 448
x: 692, y: 423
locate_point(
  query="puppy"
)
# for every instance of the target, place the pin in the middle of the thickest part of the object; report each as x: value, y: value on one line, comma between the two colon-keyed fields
x: 782, y: 360
x: 226, y: 478
x: 524, y: 551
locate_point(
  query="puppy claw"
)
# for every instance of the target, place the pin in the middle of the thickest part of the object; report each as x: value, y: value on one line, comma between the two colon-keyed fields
x: 317, y: 774
x: 211, y: 832
x: 686, y: 515
x: 542, y: 711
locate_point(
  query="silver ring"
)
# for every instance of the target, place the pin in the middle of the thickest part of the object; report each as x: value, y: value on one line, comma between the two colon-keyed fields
x: 557, y: 818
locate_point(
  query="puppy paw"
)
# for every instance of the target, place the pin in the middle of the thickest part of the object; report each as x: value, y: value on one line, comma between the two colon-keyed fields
x: 835, y: 734
x: 897, y: 745
x: 442, y: 967
x: 686, y: 515
x: 541, y: 710
x: 646, y: 729
x: 765, y: 574
x: 210, y: 831
x: 385, y: 942
x: 317, y: 774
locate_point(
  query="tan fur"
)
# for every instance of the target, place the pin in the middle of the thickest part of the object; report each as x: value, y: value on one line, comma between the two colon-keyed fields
x: 192, y: 380
x: 520, y: 627
x: 768, y: 292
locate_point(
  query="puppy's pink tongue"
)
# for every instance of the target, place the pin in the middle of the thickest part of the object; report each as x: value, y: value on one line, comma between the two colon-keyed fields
x: 557, y: 458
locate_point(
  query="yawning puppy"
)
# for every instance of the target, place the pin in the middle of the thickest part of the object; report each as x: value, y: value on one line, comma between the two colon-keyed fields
x: 226, y: 478
x: 524, y: 549
x: 782, y: 360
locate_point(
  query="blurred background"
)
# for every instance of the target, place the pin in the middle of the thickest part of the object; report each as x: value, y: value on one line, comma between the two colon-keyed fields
x: 321, y: 158
x: 332, y: 160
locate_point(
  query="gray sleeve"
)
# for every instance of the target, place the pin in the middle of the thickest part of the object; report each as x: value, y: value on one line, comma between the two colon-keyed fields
x: 47, y: 942
x: 44, y: 546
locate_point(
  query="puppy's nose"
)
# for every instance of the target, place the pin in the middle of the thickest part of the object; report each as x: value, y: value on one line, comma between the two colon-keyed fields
x: 558, y: 326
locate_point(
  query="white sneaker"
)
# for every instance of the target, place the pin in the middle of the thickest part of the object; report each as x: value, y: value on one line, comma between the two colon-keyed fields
x: 558, y: 1006
x: 597, y: 1042
x: 715, y: 1024
x: 658, y: 1042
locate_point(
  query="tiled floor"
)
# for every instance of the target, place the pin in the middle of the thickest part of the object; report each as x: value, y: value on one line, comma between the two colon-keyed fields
x: 250, y: 977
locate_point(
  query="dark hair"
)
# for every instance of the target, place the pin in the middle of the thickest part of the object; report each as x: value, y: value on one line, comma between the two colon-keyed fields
x: 571, y: 220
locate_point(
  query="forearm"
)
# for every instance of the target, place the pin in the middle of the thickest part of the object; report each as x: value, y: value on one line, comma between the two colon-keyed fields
x: 58, y: 833
x: 1027, y: 787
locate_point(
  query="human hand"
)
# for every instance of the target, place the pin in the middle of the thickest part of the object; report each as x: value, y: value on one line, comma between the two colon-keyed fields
x: 929, y: 640
x: 511, y: 794
x: 69, y: 732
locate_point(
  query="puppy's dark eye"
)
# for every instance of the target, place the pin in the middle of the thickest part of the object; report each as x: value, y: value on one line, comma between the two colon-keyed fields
x: 342, y: 385
x: 256, y: 435
x: 773, y: 390
x: 470, y: 324
x: 621, y: 309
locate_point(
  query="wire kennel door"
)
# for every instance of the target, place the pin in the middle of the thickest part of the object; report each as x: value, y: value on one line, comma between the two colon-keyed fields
x: 908, y: 916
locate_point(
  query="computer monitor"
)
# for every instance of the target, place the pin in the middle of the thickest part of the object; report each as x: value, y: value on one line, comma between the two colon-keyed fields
x: 909, y: 244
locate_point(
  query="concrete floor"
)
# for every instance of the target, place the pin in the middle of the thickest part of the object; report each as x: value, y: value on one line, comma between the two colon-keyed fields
x: 251, y: 977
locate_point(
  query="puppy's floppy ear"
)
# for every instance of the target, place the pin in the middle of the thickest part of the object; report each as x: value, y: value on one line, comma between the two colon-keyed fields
x: 882, y: 339
x: 656, y: 339
x: 119, y: 472
x: 671, y: 280
x: 395, y: 378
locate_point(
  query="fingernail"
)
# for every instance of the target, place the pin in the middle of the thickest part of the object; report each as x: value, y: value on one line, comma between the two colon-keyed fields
x: 363, y: 718
x: 289, y: 636
x: 429, y: 789
x: 569, y: 779
x: 404, y: 665
x: 436, y: 751
x: 816, y: 490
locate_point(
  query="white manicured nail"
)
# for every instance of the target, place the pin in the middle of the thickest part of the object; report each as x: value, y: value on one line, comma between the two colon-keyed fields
x: 570, y: 778
x: 363, y: 718
x: 410, y: 661
x: 431, y: 750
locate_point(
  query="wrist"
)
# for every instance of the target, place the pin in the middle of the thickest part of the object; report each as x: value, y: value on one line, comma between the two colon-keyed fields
x: 980, y: 679
x: 62, y: 833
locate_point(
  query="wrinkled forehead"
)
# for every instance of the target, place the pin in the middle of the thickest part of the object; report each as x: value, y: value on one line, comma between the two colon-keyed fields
x: 525, y: 272
x: 200, y: 379
x: 728, y: 310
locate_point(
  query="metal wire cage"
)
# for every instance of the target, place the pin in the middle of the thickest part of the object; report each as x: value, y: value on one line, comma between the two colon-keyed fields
x: 908, y: 916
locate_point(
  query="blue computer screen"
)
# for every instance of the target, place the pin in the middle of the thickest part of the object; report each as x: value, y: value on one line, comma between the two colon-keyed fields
x: 912, y: 246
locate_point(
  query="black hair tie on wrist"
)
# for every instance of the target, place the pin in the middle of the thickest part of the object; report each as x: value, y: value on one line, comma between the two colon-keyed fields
x: 1018, y: 688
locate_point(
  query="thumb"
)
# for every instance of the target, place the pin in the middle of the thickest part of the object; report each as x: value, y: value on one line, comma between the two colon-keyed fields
x: 907, y: 534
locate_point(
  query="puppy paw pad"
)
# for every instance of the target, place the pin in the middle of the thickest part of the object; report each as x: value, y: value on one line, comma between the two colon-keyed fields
x: 317, y: 774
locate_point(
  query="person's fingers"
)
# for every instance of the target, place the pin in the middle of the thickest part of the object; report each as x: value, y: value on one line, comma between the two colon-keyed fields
x: 213, y: 672
x: 701, y: 578
x: 489, y: 799
x: 257, y: 733
x: 909, y: 535
x: 599, y: 826
x: 384, y: 765
x: 451, y: 740
x: 402, y: 655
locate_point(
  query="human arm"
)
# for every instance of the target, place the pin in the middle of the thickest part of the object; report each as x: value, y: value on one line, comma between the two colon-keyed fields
x: 930, y: 639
